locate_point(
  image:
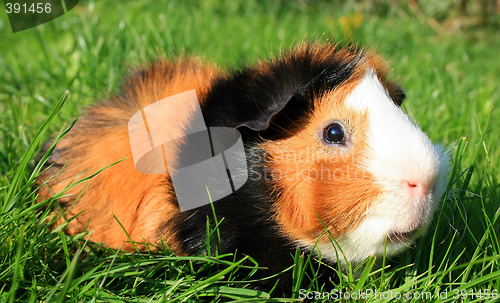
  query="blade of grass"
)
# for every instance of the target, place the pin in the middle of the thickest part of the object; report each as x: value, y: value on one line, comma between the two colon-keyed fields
x: 28, y: 155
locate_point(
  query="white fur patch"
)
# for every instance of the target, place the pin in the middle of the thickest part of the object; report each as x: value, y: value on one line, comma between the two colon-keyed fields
x: 399, y: 151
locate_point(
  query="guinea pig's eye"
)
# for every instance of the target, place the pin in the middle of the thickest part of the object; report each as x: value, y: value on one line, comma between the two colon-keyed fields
x: 334, y: 133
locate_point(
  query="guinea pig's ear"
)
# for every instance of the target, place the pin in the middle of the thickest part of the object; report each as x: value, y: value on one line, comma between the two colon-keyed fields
x: 259, y: 119
x: 397, y: 94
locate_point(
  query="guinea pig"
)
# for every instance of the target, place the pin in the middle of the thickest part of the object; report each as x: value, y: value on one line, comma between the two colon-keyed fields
x: 329, y: 152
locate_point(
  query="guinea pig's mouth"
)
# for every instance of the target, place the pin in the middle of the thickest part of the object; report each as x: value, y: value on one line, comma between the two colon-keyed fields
x: 401, y: 237
x: 405, y: 236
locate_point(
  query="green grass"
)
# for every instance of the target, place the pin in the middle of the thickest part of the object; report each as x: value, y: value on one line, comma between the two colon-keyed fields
x: 451, y: 78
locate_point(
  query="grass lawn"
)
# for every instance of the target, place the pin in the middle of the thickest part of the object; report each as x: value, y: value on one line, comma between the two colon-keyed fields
x: 451, y: 77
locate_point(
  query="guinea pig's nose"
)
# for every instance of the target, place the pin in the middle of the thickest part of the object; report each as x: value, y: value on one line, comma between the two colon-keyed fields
x: 417, y: 188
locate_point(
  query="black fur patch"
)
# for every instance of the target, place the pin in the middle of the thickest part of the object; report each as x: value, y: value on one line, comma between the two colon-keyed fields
x: 263, y: 103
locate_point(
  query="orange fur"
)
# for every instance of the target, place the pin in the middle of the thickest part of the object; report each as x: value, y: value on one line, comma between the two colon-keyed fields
x: 322, y: 186
x: 141, y: 202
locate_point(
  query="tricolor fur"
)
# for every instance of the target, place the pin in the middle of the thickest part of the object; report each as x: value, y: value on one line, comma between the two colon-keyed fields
x: 381, y: 186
